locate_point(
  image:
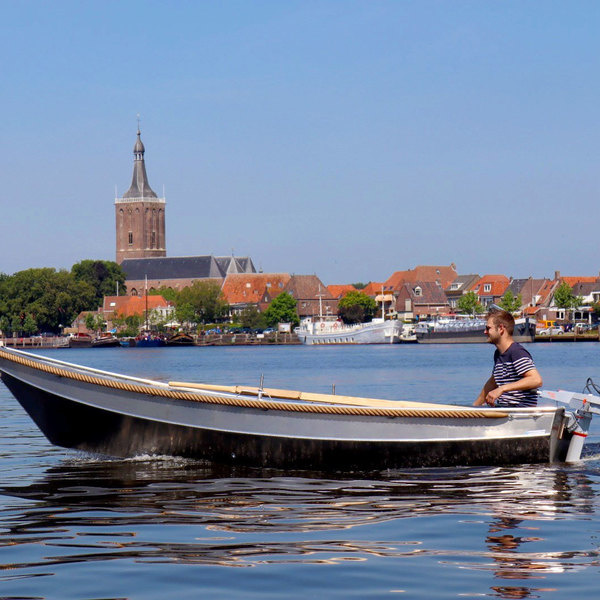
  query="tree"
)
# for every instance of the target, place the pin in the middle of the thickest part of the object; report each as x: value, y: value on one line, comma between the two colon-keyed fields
x: 202, y: 302
x: 282, y: 310
x: 168, y: 293
x: 564, y: 297
x: 29, y: 325
x: 469, y: 304
x: 52, y: 298
x: 94, y: 322
x: 253, y: 318
x: 510, y: 303
x: 356, y: 307
x: 103, y: 275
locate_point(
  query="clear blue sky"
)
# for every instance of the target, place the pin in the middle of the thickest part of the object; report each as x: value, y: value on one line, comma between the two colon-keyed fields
x: 347, y: 139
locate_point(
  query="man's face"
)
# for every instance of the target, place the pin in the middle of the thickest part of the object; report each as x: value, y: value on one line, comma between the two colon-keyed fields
x: 492, y: 331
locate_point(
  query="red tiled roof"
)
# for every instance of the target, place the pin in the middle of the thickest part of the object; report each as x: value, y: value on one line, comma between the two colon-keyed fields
x: 373, y: 288
x: 338, y: 291
x: 241, y: 288
x: 132, y: 305
x: 571, y: 281
x: 498, y: 283
x: 444, y: 275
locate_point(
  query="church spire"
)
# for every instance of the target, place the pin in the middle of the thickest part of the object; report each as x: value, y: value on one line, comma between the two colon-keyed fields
x: 140, y: 188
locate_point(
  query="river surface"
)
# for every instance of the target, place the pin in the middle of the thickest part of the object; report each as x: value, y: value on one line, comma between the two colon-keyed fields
x: 77, y: 526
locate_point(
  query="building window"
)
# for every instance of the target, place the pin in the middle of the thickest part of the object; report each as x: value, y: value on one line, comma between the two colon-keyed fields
x: 487, y: 287
x: 418, y: 291
x: 153, y: 239
x: 131, y: 238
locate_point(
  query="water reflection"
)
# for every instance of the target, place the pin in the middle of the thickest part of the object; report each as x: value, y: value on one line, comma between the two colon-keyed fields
x: 84, y: 511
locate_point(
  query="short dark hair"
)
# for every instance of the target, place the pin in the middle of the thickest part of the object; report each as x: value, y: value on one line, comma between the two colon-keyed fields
x: 502, y: 317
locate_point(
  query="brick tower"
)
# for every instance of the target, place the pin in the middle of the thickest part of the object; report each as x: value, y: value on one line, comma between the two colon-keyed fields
x: 140, y: 215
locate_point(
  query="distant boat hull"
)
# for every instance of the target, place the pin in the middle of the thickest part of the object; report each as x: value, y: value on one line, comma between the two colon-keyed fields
x: 375, y: 332
x: 150, y: 342
x: 524, y: 332
x: 107, y: 342
x: 181, y: 339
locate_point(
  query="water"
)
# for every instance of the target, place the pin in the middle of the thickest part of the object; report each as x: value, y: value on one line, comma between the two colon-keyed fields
x: 78, y: 526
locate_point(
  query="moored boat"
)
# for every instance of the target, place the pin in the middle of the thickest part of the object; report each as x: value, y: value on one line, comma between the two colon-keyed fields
x: 80, y: 340
x: 107, y: 413
x: 149, y: 340
x: 181, y: 339
x: 323, y: 331
x: 466, y: 330
x: 105, y: 341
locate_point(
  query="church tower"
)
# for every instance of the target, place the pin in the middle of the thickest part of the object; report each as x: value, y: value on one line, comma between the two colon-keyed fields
x: 140, y: 214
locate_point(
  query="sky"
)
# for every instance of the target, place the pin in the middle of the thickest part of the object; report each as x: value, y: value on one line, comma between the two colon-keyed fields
x: 342, y: 138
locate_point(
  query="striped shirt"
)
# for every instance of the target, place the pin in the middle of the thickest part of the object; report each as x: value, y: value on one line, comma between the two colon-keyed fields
x: 510, y: 367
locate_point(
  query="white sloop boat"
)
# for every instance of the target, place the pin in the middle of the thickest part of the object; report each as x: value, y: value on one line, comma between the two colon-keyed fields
x: 96, y: 411
x: 322, y: 331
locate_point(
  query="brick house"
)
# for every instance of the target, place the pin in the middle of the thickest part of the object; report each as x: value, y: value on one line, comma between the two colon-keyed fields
x: 312, y: 296
x: 490, y: 288
x: 421, y: 299
x: 242, y: 290
x: 460, y: 286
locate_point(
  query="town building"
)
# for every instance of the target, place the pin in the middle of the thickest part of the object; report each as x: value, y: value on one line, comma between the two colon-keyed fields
x: 459, y: 286
x: 490, y: 289
x: 312, y: 297
x: 420, y: 299
x: 142, y: 246
x: 140, y: 214
x: 442, y: 275
x: 245, y: 290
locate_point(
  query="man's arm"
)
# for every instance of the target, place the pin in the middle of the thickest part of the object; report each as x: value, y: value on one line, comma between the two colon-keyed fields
x: 490, y: 384
x: 531, y: 380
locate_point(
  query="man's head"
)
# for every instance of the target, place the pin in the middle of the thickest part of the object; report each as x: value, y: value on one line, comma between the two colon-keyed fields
x: 497, y: 323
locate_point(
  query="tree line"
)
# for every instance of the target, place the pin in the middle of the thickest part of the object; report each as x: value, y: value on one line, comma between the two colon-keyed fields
x: 47, y: 299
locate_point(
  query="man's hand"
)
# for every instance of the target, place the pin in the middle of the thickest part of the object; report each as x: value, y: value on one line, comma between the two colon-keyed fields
x: 493, y: 395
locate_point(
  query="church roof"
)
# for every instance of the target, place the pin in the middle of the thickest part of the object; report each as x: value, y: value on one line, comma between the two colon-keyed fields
x: 181, y: 267
x: 140, y: 188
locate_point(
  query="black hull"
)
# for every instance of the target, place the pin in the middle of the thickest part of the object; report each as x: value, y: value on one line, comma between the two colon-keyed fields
x: 72, y: 424
x: 523, y: 333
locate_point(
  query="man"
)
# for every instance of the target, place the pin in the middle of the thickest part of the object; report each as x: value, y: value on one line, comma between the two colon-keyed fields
x: 514, y: 379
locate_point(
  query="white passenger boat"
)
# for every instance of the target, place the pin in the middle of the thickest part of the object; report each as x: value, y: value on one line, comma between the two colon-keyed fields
x: 117, y: 415
x: 324, y: 331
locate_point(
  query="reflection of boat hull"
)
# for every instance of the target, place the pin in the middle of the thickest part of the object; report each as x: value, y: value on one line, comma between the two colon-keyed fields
x: 382, y: 332
x: 524, y: 332
x: 100, y: 412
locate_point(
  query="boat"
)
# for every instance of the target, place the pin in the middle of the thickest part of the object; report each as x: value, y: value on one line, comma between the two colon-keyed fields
x: 147, y: 339
x: 458, y: 329
x: 150, y: 340
x: 332, y: 330
x: 122, y: 416
x: 328, y: 331
x: 105, y: 341
x: 181, y: 339
x: 80, y: 340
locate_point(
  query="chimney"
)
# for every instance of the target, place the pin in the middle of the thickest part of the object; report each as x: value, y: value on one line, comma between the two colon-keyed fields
x: 556, y: 274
